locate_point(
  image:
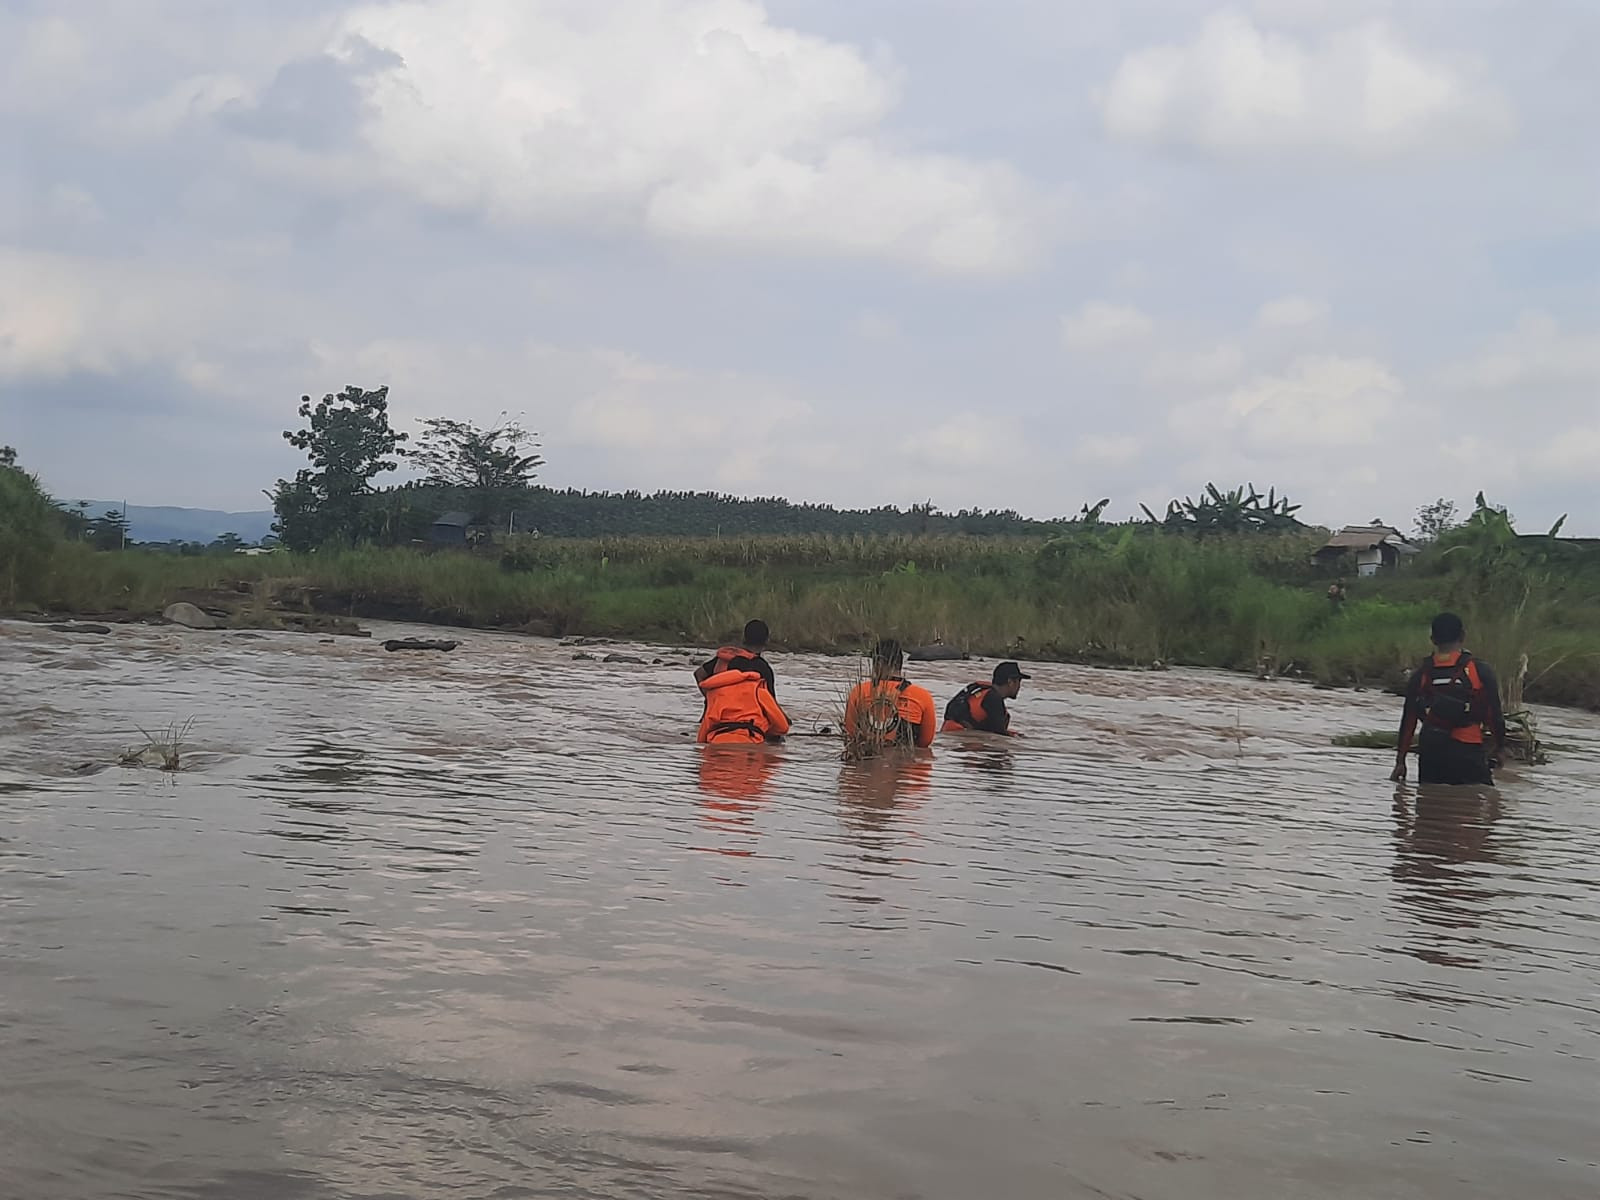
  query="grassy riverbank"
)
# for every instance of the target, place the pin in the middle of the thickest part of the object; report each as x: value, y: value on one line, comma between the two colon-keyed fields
x: 1121, y: 596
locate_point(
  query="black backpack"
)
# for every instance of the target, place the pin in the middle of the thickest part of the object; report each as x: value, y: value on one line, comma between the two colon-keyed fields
x: 1449, y: 700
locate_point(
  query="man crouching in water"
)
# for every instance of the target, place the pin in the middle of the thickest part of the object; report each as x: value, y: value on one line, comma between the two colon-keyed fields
x: 887, y: 707
x: 1456, y: 699
x: 983, y: 705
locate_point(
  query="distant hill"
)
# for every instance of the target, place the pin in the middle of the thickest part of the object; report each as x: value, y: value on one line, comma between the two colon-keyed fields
x: 161, y: 524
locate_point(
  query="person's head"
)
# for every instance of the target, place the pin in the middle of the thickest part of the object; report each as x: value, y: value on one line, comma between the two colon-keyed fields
x: 1008, y: 679
x: 756, y: 634
x: 887, y: 658
x: 1447, y: 630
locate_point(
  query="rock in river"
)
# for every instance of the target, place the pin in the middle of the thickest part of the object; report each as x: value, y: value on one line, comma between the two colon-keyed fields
x: 418, y: 644
x: 187, y: 615
x: 935, y: 653
x: 74, y: 627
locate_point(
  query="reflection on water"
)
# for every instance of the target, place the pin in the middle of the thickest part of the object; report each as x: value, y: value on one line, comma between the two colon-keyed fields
x: 490, y: 925
x: 1443, y: 836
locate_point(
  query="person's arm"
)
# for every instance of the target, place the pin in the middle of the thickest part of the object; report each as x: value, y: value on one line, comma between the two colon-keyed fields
x: 777, y: 719
x: 929, y: 723
x: 1408, y: 724
x: 1497, y: 718
x: 704, y: 670
x: 765, y: 670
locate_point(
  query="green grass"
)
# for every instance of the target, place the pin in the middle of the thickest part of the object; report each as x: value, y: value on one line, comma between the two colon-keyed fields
x: 1119, y: 595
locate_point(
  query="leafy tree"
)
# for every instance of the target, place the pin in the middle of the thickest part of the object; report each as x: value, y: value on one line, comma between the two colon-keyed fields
x: 8, y: 456
x: 459, y: 454
x: 1090, y: 514
x: 109, y: 532
x: 28, y: 528
x: 349, y: 441
x: 1239, y: 510
x: 226, y: 543
x: 1436, y: 519
x: 486, y: 469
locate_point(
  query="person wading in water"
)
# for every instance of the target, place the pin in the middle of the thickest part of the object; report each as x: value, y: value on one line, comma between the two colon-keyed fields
x: 1455, y: 698
x: 887, y: 707
x: 756, y: 636
x: 740, y: 709
x: 983, y: 705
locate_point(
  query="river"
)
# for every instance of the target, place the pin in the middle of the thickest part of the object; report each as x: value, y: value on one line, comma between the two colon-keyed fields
x: 487, y: 924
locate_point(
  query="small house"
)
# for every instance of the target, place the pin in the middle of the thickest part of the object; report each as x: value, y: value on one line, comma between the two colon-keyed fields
x: 450, y: 529
x: 1374, y: 547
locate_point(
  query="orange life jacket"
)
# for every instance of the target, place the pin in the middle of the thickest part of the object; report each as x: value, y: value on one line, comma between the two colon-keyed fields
x: 739, y: 709
x: 965, y: 710
x: 893, y: 708
x: 726, y: 654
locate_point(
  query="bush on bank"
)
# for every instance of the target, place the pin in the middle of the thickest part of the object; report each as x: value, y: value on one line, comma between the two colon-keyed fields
x: 1117, y: 595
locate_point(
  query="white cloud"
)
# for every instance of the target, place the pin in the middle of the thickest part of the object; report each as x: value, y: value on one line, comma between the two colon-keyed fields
x: 61, y: 315
x: 1572, y: 455
x: 1239, y: 89
x: 1202, y: 368
x: 874, y: 326
x: 965, y: 442
x: 1320, y: 403
x: 1110, y: 450
x: 1287, y: 312
x: 1100, y: 324
x: 1537, y: 353
x: 689, y: 118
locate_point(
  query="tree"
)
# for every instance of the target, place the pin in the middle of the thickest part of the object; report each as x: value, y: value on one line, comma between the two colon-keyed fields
x: 8, y: 456
x: 109, y: 532
x: 459, y: 454
x: 349, y: 441
x: 1436, y: 519
x: 226, y: 543
x: 27, y: 531
x: 1239, y: 510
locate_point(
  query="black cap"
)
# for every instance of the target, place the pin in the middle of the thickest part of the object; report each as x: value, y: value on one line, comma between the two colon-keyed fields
x: 1007, y: 671
x: 1447, y: 628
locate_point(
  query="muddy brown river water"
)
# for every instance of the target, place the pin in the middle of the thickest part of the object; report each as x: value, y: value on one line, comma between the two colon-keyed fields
x: 487, y: 924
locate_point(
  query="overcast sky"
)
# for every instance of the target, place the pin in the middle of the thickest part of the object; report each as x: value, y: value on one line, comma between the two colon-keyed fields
x: 1016, y: 253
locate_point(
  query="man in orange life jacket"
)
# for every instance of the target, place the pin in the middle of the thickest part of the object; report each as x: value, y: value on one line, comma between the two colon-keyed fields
x: 1456, y: 700
x: 983, y: 705
x: 740, y: 708
x: 756, y: 636
x: 887, y: 706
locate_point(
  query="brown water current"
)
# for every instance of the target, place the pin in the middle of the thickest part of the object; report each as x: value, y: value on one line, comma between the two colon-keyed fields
x: 488, y: 924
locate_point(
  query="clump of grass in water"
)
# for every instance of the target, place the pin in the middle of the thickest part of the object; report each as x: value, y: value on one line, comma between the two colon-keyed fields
x: 165, y: 751
x: 1377, y: 739
x: 866, y: 737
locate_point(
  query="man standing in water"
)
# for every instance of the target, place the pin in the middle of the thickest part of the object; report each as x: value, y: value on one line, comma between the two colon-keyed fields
x: 1456, y: 700
x: 982, y: 706
x: 887, y: 707
x: 756, y: 636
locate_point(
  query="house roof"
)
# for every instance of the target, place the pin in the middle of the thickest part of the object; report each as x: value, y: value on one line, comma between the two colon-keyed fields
x: 453, y: 518
x: 1368, y: 537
